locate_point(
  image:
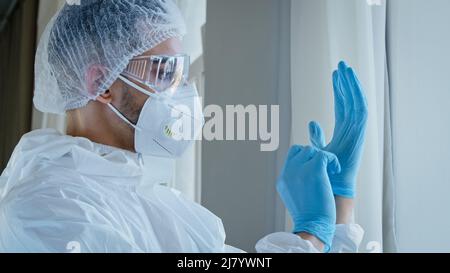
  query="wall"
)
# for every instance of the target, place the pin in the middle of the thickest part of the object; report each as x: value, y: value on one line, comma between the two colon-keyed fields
x: 17, y: 39
x: 419, y: 43
x: 246, y: 62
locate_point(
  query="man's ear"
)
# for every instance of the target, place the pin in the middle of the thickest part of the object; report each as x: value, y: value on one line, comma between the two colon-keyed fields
x: 105, y: 98
x: 95, y: 76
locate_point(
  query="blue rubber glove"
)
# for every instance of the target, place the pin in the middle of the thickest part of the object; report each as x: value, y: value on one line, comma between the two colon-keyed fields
x: 349, y: 133
x: 305, y: 189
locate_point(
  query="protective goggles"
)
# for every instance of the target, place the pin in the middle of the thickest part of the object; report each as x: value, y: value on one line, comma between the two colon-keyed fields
x: 159, y: 72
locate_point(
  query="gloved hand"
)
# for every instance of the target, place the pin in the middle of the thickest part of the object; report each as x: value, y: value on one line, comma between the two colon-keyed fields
x: 305, y: 189
x: 350, y: 130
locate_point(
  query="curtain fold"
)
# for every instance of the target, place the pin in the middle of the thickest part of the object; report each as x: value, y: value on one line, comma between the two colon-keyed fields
x: 323, y: 33
x: 390, y: 244
x: 17, y: 43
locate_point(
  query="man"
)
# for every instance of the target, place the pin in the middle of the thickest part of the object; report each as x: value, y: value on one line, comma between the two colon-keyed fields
x: 117, y: 70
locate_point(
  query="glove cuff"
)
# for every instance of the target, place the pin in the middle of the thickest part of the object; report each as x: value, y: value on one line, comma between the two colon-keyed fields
x: 323, y: 230
x: 344, y: 192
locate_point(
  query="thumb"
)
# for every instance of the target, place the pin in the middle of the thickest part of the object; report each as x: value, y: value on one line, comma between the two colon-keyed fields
x: 331, y: 162
x: 316, y: 135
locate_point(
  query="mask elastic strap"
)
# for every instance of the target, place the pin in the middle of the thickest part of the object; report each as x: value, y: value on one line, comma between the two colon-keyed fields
x: 121, y: 116
x: 137, y: 87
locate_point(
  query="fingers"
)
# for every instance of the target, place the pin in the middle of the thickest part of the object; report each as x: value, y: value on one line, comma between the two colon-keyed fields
x: 306, y: 154
x: 351, y: 82
x: 293, y: 151
x: 360, y: 100
x: 318, y: 141
x: 316, y: 135
x: 346, y: 88
x: 301, y: 154
x: 339, y: 102
x: 330, y: 161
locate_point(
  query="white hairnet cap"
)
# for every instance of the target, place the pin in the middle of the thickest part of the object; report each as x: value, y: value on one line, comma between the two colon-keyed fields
x: 97, y: 39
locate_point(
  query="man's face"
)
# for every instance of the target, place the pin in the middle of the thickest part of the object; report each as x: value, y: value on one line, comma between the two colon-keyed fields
x: 130, y: 101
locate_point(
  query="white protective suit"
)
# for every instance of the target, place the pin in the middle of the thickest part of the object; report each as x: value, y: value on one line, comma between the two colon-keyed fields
x: 58, y: 191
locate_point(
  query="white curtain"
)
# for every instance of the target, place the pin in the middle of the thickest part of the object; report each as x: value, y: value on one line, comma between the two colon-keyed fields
x: 323, y: 33
x: 187, y: 174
